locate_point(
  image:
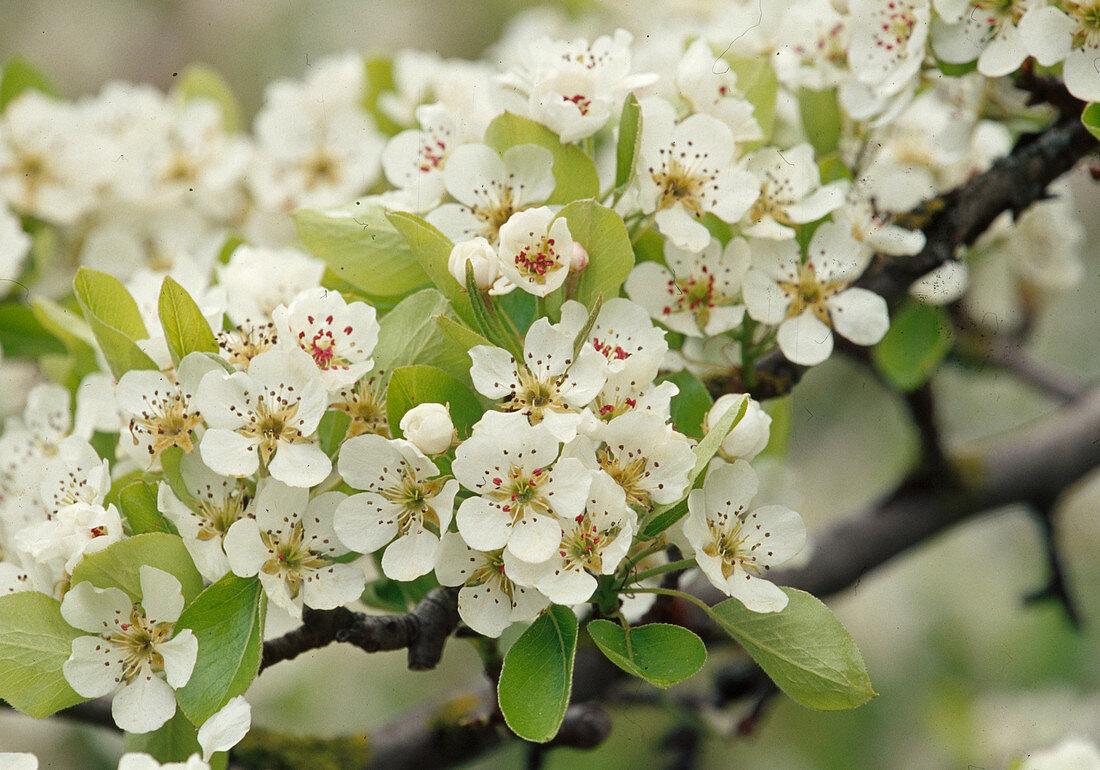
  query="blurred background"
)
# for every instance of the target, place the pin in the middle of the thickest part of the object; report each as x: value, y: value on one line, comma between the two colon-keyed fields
x: 966, y: 674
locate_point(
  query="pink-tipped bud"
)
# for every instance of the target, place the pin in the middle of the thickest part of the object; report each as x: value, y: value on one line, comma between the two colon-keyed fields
x: 579, y: 260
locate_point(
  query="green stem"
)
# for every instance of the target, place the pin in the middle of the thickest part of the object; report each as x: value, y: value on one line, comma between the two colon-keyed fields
x: 540, y: 307
x: 625, y: 569
x: 672, y: 566
x: 670, y: 592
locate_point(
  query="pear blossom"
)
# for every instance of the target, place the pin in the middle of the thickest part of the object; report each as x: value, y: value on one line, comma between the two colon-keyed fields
x: 813, y: 48
x: 990, y: 33
x: 139, y: 760
x: 479, y: 254
x: 887, y: 41
x: 710, y: 86
x: 365, y: 403
x: 490, y: 188
x: 791, y: 192
x: 521, y: 488
x: 76, y: 474
x: 874, y: 228
x: 59, y: 543
x: 489, y: 600
x: 945, y: 284
x: 808, y: 301
x: 33, y: 436
x: 1070, y: 35
x: 404, y: 504
x: 161, y: 412
x: 698, y: 294
x: 536, y: 250
x: 286, y: 273
x: 429, y: 428
x: 14, y: 247
x: 749, y: 436
x: 735, y: 546
x: 413, y: 160
x: 575, y: 87
x: 135, y: 651
x: 216, y: 503
x: 548, y: 387
x: 339, y: 336
x: 18, y: 760
x: 265, y: 417
x: 593, y: 543
x: 686, y: 170
x: 290, y: 544
x: 247, y: 340
x: 225, y: 728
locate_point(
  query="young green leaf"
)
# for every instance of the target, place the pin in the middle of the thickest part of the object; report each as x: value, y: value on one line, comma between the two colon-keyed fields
x: 23, y: 336
x: 114, y: 319
x: 228, y: 620
x: 412, y: 385
x: 20, y: 75
x: 331, y: 431
x: 363, y: 248
x: 691, y: 404
x: 574, y: 172
x: 537, y: 676
x: 757, y: 81
x: 919, y: 338
x: 660, y: 653
x: 1090, y: 117
x: 804, y: 649
x: 410, y: 334
x: 626, y: 151
x: 379, y: 79
x: 463, y: 338
x: 185, y: 327
x: 610, y: 257
x: 821, y: 119
x: 34, y: 643
x: 432, y: 249
x: 138, y: 501
x: 201, y: 82
x: 118, y: 565
x: 170, y: 465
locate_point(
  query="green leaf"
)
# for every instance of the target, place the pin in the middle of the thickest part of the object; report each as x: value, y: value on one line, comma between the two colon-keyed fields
x: 626, y: 151
x: 660, y: 653
x: 138, y: 501
x: 412, y: 385
x: 691, y: 404
x: 118, y: 565
x: 610, y: 257
x: 228, y: 621
x: 486, y: 320
x: 185, y: 327
x: 463, y: 338
x: 1091, y: 118
x: 332, y: 429
x: 918, y: 339
x: 170, y: 465
x: 175, y: 741
x: 361, y: 246
x: 757, y: 82
x: 34, y: 643
x: 20, y: 75
x: 379, y: 79
x: 409, y: 334
x: 956, y: 70
x: 574, y: 172
x: 201, y: 82
x: 74, y: 332
x: 782, y: 415
x: 432, y: 249
x: 114, y: 319
x: 22, y: 335
x: 821, y: 119
x: 537, y: 676
x: 804, y: 649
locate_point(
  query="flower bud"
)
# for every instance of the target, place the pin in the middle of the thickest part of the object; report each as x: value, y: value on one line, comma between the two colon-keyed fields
x: 479, y: 253
x: 429, y: 428
x: 749, y: 436
x: 579, y: 260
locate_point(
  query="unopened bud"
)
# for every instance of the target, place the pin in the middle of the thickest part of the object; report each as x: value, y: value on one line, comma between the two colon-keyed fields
x: 479, y: 253
x: 749, y: 436
x: 579, y: 260
x: 429, y: 428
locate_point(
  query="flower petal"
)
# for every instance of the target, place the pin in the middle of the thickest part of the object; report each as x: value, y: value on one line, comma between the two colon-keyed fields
x: 805, y: 340
x: 145, y: 703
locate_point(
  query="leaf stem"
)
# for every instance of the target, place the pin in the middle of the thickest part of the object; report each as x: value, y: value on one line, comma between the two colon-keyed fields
x: 670, y: 592
x: 672, y: 566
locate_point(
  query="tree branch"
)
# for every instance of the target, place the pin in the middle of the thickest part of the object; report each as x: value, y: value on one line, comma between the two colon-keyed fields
x: 423, y: 631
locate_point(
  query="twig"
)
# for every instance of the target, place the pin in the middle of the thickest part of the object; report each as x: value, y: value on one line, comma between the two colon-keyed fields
x: 1057, y: 588
x: 423, y: 631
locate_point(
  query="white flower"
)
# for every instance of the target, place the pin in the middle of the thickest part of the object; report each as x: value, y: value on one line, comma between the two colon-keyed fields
x: 593, y: 543
x: 887, y: 41
x: 30, y: 438
x: 76, y: 474
x: 413, y: 160
x: 14, y: 247
x: 139, y: 760
x: 686, y: 170
x: 490, y: 188
x: 790, y: 192
x: 710, y: 86
x: 809, y: 301
x: 265, y: 416
x: 874, y: 229
x: 548, y: 387
x: 365, y: 404
x: 521, y: 488
x: 989, y: 32
x: 18, y: 761
x: 257, y: 280
x: 489, y: 600
x: 536, y: 250
x: 226, y: 727
x: 943, y: 285
x: 813, y: 52
x: 1076, y: 753
x: 481, y: 255
x: 1072, y: 37
x: 749, y: 436
x: 735, y: 546
x: 136, y: 651
x: 161, y: 411
x: 338, y: 336
x: 291, y: 544
x: 240, y: 345
x: 403, y: 504
x: 698, y: 294
x: 217, y: 503
x: 429, y: 427
x: 75, y: 531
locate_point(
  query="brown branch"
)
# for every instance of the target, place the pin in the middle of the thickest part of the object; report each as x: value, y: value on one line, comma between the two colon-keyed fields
x: 423, y: 631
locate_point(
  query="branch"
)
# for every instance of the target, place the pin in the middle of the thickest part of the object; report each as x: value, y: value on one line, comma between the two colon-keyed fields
x: 1056, y: 588
x: 423, y: 631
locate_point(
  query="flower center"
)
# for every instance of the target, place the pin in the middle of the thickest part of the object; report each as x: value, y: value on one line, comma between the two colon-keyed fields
x: 138, y: 642
x: 366, y: 408
x: 629, y: 473
x: 807, y: 292
x: 411, y: 498
x: 290, y: 558
x: 534, y: 261
x: 521, y: 492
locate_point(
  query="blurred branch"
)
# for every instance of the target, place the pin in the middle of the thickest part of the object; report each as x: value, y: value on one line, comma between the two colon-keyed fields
x: 1057, y: 588
x: 423, y: 631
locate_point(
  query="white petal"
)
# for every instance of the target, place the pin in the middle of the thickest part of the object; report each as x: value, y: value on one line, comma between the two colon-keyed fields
x: 1004, y: 54
x: 779, y: 531
x: 161, y: 595
x: 485, y: 608
x: 179, y: 655
x: 676, y: 224
x: 299, y: 464
x: 145, y: 703
x: 95, y: 666
x: 1081, y: 73
x: 226, y: 728
x: 245, y: 549
x: 755, y: 593
x: 860, y: 315
x: 821, y: 202
x: 493, y: 371
x: 333, y: 586
x: 1047, y: 33
x: 86, y: 607
x: 805, y: 340
x: 765, y: 301
x: 535, y: 538
x: 411, y: 556
x: 365, y: 522
x: 483, y: 524
x: 569, y: 587
x: 229, y: 453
